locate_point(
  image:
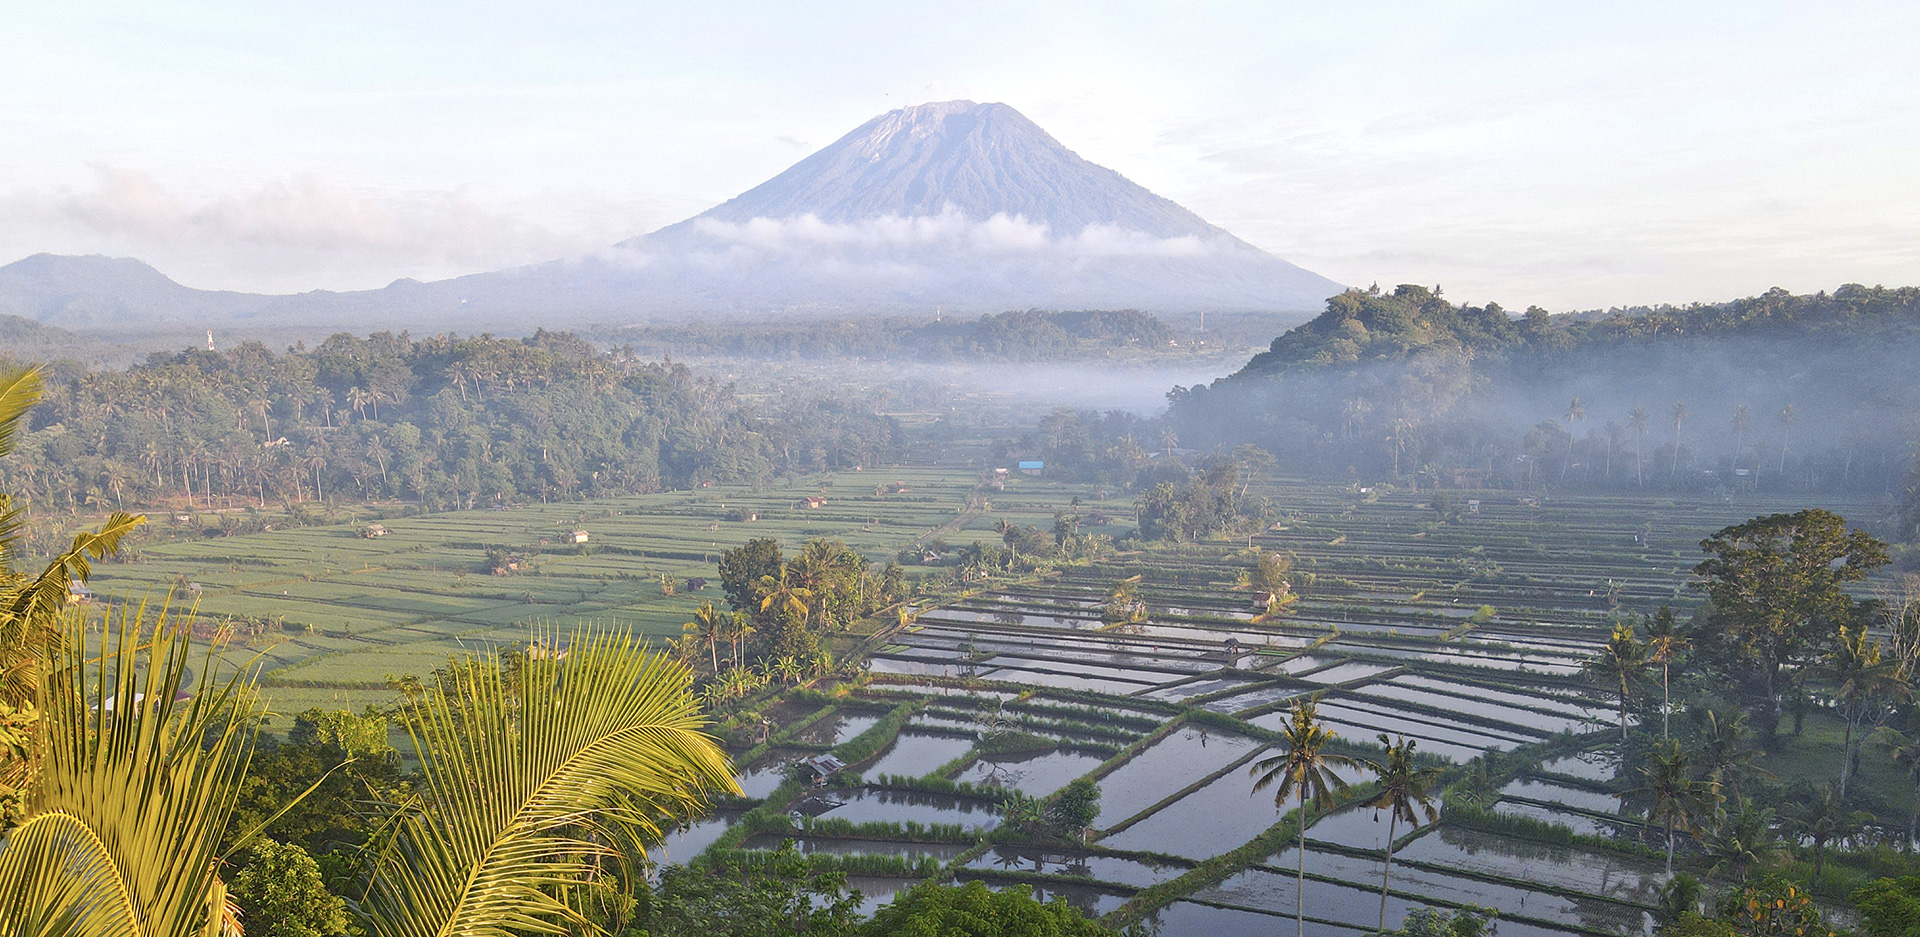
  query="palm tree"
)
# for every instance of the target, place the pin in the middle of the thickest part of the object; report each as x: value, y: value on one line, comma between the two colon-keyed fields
x: 1679, y: 418
x: 535, y: 780
x: 706, y: 628
x: 1743, y: 838
x: 1678, y: 799
x: 1620, y: 664
x: 1404, y: 792
x: 1822, y: 818
x: 786, y: 594
x: 1304, y: 772
x: 31, y: 605
x: 1866, y: 685
x: 1905, y: 752
x: 1724, y: 751
x: 1787, y: 421
x: 1665, y: 642
x: 1637, y: 425
x: 735, y: 630
x: 1576, y: 413
x: 1742, y: 422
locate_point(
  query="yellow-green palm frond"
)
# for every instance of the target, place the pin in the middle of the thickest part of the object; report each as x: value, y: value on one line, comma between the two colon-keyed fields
x: 136, y: 781
x: 31, y: 611
x: 534, y: 784
x: 19, y: 391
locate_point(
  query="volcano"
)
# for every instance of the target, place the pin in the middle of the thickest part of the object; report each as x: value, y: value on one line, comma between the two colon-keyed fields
x: 952, y: 205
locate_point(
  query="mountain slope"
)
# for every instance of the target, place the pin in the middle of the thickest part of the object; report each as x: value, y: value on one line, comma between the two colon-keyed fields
x: 978, y: 159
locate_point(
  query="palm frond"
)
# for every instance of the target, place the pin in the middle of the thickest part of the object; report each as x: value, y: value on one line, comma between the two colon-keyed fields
x: 19, y: 391
x: 537, y: 783
x: 31, y: 612
x: 136, y: 782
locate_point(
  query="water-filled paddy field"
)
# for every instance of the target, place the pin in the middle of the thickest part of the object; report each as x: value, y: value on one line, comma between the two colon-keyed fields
x: 1464, y: 635
x: 1468, y: 640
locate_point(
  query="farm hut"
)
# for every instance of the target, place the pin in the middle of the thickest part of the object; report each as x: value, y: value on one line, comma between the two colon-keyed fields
x: 818, y: 769
x: 373, y: 531
x: 578, y: 536
x: 814, y: 501
x: 1033, y: 467
x: 544, y: 649
x: 78, y: 593
x: 697, y: 584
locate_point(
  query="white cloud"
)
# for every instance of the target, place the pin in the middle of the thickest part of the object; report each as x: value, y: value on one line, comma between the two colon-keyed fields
x: 302, y: 223
x: 949, y: 232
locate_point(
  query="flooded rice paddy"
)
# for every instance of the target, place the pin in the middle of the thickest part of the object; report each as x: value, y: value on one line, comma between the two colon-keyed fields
x: 1412, y: 642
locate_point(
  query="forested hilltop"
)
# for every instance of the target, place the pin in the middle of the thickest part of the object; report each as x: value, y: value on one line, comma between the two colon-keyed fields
x: 1776, y: 390
x: 445, y: 421
x: 1029, y: 335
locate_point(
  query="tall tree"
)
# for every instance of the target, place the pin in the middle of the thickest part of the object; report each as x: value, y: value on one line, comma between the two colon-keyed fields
x: 1776, y: 591
x: 1866, y: 685
x: 1637, y: 424
x: 1665, y: 643
x: 1820, y: 817
x: 1742, y: 424
x: 1677, y: 800
x: 1679, y: 420
x: 1405, y: 792
x: 1619, y: 666
x: 1306, y: 771
x: 1576, y: 414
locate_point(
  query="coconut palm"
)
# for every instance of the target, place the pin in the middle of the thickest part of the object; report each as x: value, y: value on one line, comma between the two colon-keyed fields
x: 1724, y: 752
x: 133, y: 786
x: 1404, y: 792
x: 1822, y: 818
x: 1866, y: 685
x: 1665, y: 642
x: 1619, y: 665
x: 1679, y: 420
x: 707, y: 628
x: 786, y: 594
x: 31, y: 606
x: 1904, y: 752
x: 1741, y: 425
x: 1304, y: 772
x: 535, y: 780
x: 1788, y: 417
x: 1743, y: 838
x: 1677, y: 799
x: 1576, y: 414
x: 1637, y: 425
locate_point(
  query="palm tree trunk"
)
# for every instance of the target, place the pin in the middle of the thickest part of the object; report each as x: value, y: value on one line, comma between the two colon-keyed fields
x: 1669, y: 847
x: 1386, y: 871
x: 1666, y: 710
x: 1300, y: 896
x: 1846, y: 761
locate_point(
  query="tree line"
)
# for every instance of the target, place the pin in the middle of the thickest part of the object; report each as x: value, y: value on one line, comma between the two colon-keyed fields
x: 446, y: 421
x: 1024, y: 335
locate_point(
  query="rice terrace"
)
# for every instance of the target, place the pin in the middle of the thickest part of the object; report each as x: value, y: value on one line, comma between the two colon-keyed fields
x: 1457, y: 619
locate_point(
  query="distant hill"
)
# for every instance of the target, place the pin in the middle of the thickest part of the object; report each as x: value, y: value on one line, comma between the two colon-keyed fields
x: 1812, y: 391
x: 958, y: 206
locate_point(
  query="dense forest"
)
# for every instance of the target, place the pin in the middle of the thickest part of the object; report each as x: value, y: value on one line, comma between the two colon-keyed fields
x: 1030, y: 335
x: 445, y: 421
x: 1773, y: 391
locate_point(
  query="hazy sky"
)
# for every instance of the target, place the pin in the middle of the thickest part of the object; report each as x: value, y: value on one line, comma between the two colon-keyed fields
x: 1571, y: 155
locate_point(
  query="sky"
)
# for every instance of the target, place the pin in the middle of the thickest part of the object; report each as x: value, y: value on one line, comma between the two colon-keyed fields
x: 1574, y: 156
